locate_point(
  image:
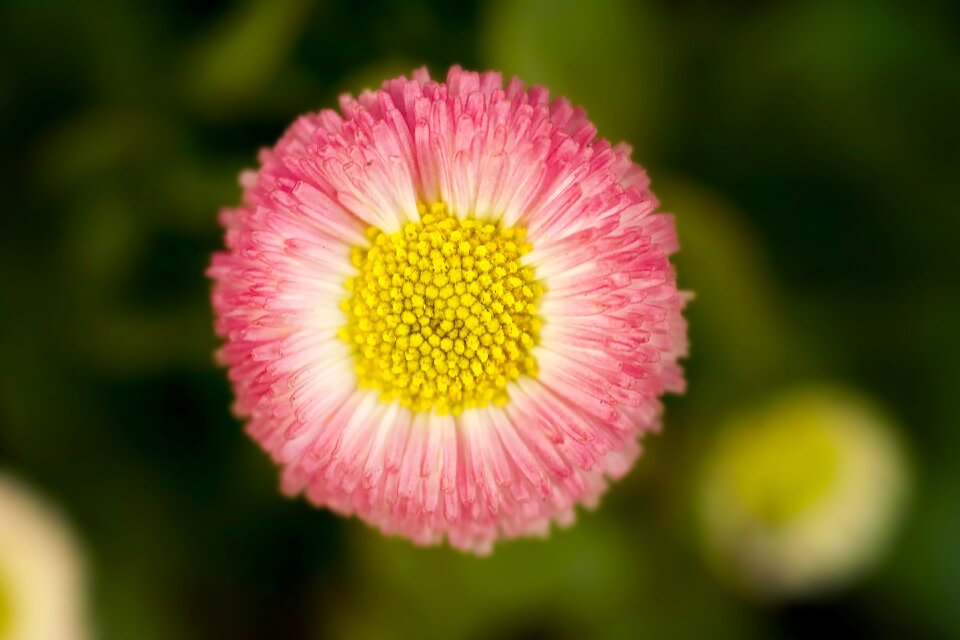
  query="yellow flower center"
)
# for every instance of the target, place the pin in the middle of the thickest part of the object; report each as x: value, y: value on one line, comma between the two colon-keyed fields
x: 782, y: 467
x: 442, y: 314
x: 6, y: 606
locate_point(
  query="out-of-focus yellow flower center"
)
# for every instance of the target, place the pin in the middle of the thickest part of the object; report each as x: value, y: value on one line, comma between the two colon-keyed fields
x: 442, y: 314
x: 6, y: 606
x: 781, y: 468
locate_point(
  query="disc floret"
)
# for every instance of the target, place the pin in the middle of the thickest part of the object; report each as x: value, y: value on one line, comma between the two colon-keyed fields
x: 443, y: 313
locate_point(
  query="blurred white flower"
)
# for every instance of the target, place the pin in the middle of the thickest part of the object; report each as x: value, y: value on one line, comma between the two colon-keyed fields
x: 801, y: 495
x: 43, y: 593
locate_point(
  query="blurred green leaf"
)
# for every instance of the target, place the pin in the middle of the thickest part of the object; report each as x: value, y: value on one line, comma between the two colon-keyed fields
x: 371, y: 76
x: 737, y: 323
x: 103, y: 144
x: 840, y: 71
x: 106, y: 239
x: 579, y: 575
x: 241, y: 59
x: 608, y: 56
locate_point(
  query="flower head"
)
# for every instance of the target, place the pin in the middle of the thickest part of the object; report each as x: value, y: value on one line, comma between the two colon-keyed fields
x: 42, y: 584
x: 801, y: 494
x: 449, y: 308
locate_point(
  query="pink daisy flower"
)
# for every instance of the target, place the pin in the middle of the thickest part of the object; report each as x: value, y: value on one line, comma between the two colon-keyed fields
x: 449, y: 309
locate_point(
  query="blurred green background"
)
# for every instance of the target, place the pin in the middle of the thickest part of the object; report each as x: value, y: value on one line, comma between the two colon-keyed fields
x: 808, y: 149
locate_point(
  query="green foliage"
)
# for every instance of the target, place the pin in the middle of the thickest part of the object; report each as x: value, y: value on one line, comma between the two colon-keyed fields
x: 808, y: 151
x: 607, y: 56
x: 240, y: 59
